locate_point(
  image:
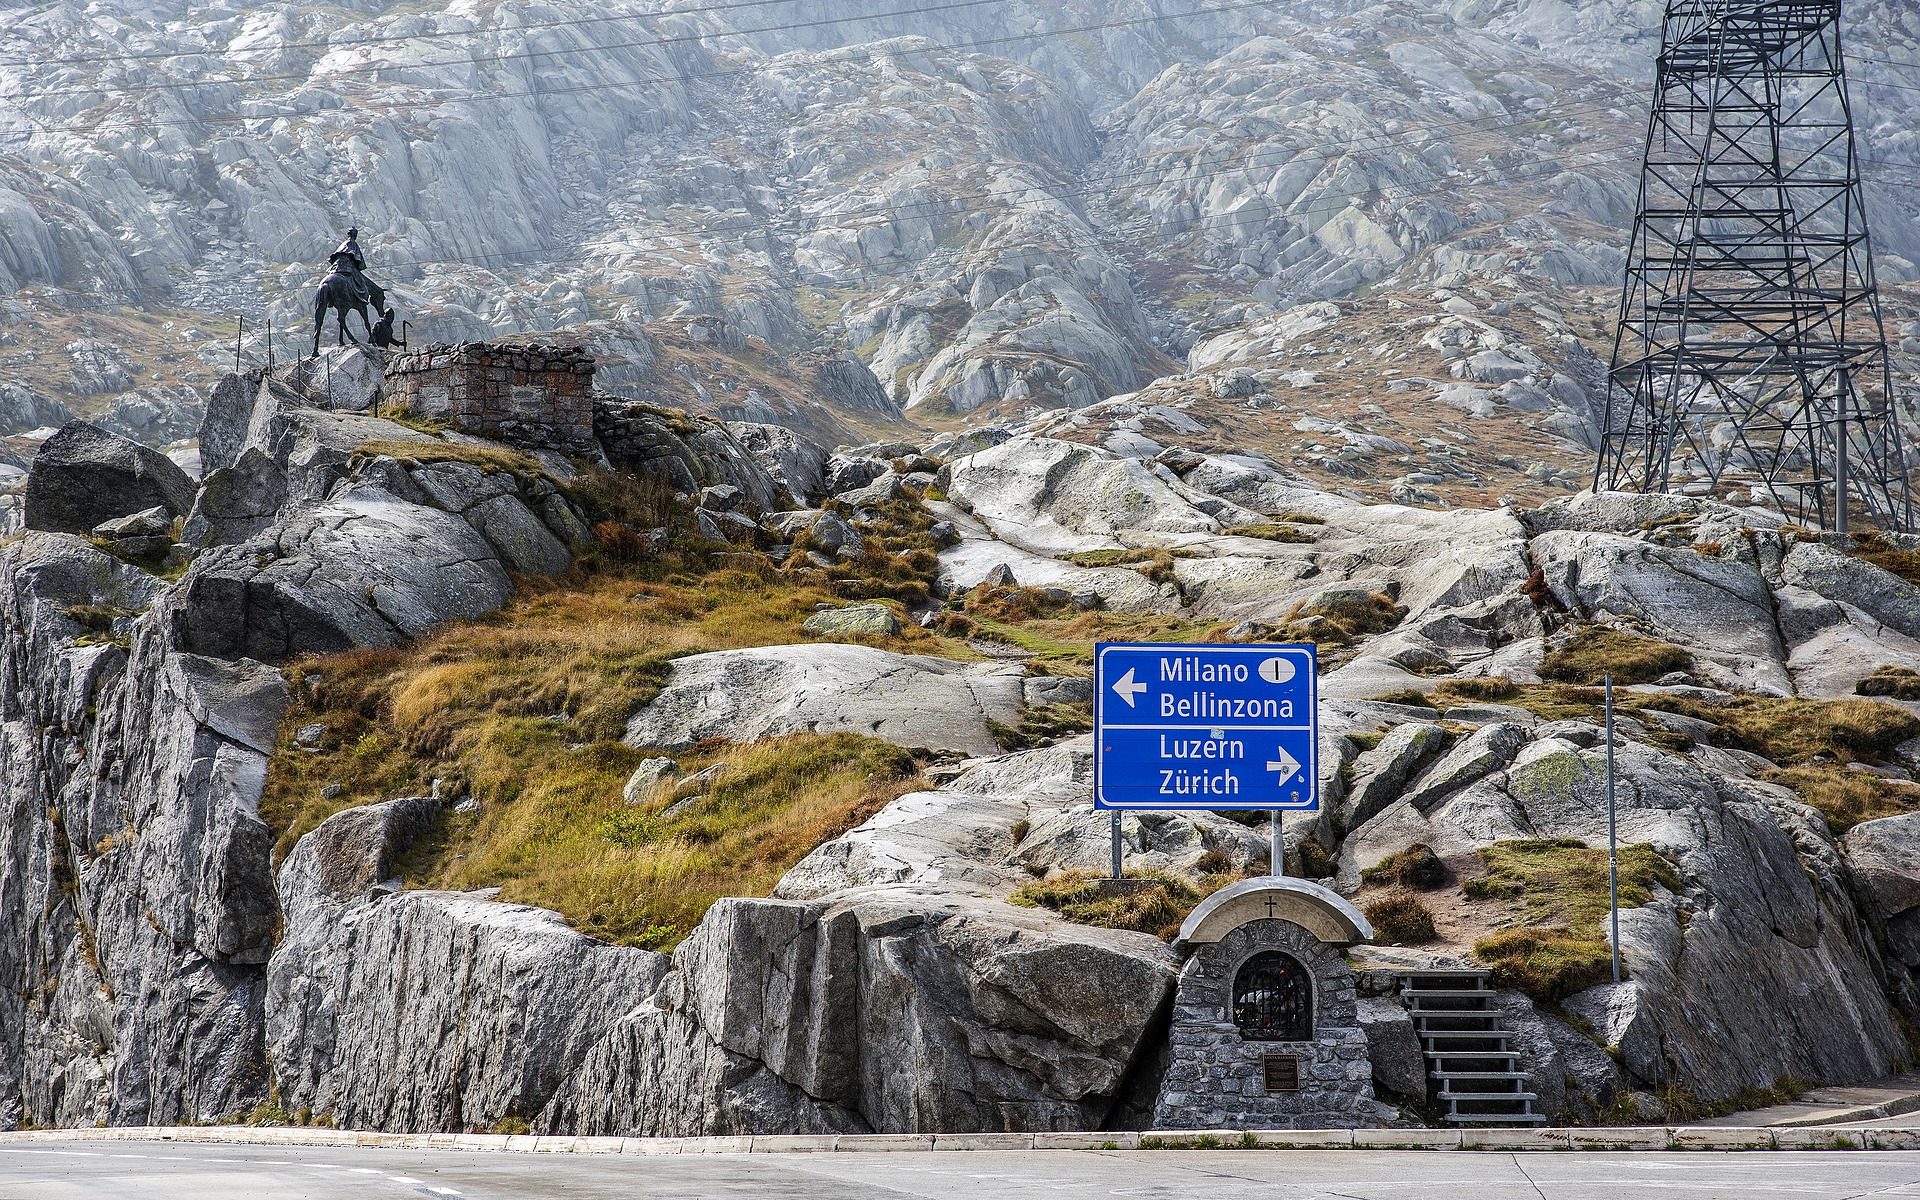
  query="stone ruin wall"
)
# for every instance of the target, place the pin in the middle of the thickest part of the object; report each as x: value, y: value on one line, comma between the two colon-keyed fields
x: 534, y: 395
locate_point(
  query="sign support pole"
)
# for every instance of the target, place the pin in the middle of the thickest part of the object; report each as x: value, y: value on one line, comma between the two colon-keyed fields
x: 1613, y: 841
x: 1277, y: 849
x: 1116, y: 845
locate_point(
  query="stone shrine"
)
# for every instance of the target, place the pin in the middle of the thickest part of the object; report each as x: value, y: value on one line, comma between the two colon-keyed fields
x: 1266, y: 1032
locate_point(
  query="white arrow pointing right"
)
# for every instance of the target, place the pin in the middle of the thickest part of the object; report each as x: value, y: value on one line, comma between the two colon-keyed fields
x: 1127, y: 689
x: 1285, y: 765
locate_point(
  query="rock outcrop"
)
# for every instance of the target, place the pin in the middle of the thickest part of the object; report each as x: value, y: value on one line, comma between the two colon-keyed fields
x: 138, y: 894
x: 396, y: 1009
x: 158, y: 967
x: 911, y: 700
x: 84, y: 475
x: 906, y: 1012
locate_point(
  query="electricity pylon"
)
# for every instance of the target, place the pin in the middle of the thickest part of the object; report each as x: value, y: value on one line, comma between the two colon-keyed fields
x: 1751, y: 353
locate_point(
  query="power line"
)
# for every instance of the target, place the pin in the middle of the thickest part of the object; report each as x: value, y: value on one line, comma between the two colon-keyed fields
x: 849, y: 53
x: 948, y: 205
x: 938, y: 206
x: 382, y: 39
x: 509, y: 56
x: 1416, y: 139
x: 1105, y: 186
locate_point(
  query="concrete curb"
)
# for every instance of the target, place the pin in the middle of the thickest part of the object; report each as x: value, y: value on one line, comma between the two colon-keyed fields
x: 1620, y: 1138
x: 1868, y: 1112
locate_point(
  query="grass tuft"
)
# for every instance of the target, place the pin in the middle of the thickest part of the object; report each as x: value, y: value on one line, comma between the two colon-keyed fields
x: 1417, y: 868
x: 1563, y: 880
x: 1874, y: 548
x: 1560, y: 888
x: 1791, y: 732
x: 489, y: 458
x: 418, y: 422
x: 1631, y: 658
x: 1848, y: 798
x: 1341, y: 618
x: 1147, y: 902
x: 1271, y: 531
x: 1547, y: 964
x: 1402, y: 919
x: 523, y: 710
x: 1043, y: 725
x: 1894, y: 683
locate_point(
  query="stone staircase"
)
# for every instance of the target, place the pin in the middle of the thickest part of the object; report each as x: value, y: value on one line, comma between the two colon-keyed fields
x: 1471, y: 1066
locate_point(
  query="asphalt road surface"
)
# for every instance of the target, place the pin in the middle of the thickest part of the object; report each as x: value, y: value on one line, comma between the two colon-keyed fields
x: 152, y: 1171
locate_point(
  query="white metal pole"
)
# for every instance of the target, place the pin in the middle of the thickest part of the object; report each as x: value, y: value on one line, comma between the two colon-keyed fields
x: 1277, y: 847
x: 1613, y: 841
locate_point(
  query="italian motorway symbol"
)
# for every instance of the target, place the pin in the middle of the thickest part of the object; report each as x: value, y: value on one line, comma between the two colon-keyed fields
x: 1205, y: 726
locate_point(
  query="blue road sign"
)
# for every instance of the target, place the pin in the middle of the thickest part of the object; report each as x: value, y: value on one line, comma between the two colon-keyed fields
x: 1205, y: 726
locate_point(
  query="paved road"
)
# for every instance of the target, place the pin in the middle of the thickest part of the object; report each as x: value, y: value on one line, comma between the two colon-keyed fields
x: 141, y: 1171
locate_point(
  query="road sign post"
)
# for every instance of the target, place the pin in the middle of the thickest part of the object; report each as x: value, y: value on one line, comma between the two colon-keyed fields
x: 1206, y: 726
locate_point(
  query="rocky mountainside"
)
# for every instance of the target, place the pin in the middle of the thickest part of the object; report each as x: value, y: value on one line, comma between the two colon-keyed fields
x: 1337, y: 231
x: 267, y: 854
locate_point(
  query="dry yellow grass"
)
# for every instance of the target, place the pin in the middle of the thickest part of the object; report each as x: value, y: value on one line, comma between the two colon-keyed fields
x: 1595, y: 652
x: 1790, y: 731
x: 1847, y: 798
x: 637, y: 873
x: 488, y: 458
x: 523, y: 711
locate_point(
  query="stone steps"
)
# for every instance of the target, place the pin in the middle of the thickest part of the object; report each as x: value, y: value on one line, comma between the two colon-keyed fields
x: 1494, y: 1118
x: 1470, y: 1066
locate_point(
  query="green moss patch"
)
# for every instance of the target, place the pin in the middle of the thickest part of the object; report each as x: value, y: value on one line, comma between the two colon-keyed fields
x: 1156, y: 563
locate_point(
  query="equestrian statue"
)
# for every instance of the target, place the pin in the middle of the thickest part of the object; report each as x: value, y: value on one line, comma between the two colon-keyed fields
x: 347, y: 289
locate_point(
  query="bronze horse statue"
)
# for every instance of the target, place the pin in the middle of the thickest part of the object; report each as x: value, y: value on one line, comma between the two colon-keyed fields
x: 339, y: 292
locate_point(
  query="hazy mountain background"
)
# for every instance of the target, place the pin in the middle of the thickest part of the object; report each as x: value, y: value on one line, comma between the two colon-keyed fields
x: 1381, y: 240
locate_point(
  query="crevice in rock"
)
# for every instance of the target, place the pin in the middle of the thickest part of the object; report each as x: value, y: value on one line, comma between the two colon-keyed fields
x: 1139, y: 1087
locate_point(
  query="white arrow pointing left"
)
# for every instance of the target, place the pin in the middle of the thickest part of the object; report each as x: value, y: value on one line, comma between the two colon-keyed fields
x: 1127, y: 689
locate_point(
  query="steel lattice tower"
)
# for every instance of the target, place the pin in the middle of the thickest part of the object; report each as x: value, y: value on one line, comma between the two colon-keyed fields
x: 1751, y: 350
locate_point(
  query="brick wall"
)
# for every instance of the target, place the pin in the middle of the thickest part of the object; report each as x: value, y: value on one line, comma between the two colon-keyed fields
x: 533, y: 394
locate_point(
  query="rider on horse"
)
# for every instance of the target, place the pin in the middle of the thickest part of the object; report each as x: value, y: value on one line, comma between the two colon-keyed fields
x: 347, y: 289
x: 350, y: 262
